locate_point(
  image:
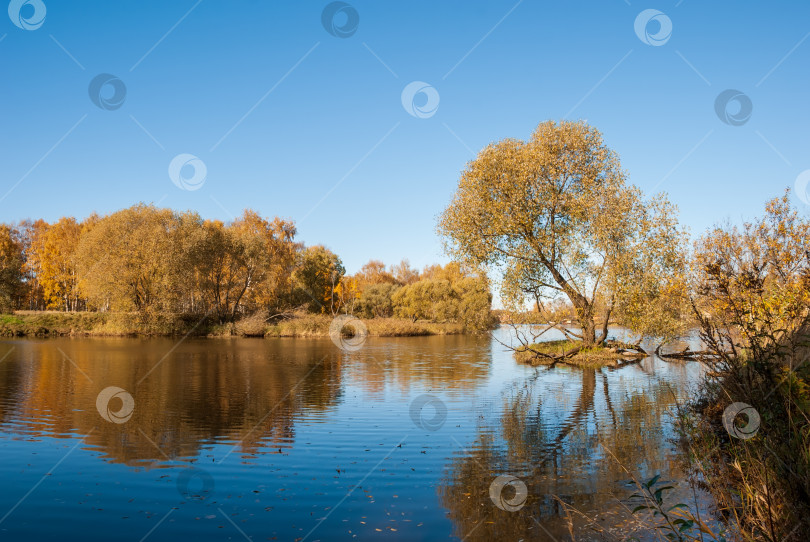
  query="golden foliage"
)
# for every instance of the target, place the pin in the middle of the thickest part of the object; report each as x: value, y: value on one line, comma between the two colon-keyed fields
x: 557, y: 217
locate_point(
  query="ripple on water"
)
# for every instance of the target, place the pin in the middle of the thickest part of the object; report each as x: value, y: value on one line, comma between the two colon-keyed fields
x: 289, y: 439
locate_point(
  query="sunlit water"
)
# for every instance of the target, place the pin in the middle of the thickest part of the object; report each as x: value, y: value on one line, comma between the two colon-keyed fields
x: 289, y: 439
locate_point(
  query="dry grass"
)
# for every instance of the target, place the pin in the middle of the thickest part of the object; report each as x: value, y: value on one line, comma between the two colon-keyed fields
x: 761, y: 484
x: 317, y: 325
x: 99, y: 324
x: 55, y: 323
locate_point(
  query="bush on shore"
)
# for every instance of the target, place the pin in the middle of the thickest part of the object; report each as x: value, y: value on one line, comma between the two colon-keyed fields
x: 747, y: 434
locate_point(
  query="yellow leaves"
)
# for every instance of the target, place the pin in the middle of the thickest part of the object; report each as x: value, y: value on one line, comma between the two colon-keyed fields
x: 556, y: 215
x: 317, y: 275
x: 144, y: 257
x: 754, y: 277
x: 55, y: 247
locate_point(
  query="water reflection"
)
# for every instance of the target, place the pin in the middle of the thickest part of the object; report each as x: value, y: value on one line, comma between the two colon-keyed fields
x: 247, y: 392
x: 568, y: 436
x: 300, y: 439
x: 199, y: 393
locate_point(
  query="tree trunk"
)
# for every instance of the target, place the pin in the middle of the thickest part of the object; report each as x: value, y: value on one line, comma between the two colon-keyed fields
x: 588, y: 326
x: 583, y: 306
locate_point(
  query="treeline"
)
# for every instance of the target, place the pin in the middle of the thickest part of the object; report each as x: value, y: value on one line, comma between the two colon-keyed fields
x: 154, y: 260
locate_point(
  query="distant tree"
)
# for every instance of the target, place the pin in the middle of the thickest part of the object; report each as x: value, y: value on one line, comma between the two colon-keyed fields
x: 448, y: 294
x: 453, y: 271
x: 404, y: 274
x: 242, y: 266
x: 474, y: 303
x: 28, y: 232
x: 556, y: 216
x: 376, y: 300
x: 346, y: 296
x: 11, y: 269
x: 55, y: 248
x: 374, y: 272
x: 428, y: 299
x: 264, y: 252
x: 127, y: 260
x: 317, y: 274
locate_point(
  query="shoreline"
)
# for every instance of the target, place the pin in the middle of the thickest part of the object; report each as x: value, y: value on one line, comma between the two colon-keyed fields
x: 43, y: 324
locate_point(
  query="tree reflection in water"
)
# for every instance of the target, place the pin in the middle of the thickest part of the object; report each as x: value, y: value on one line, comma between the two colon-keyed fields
x: 558, y: 434
x: 203, y: 395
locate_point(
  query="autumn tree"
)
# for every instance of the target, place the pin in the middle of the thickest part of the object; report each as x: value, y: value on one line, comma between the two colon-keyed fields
x: 54, y: 251
x: 144, y: 258
x: 556, y: 217
x: 228, y: 269
x: 317, y: 274
x: 28, y: 233
x: 259, y: 253
x: 374, y: 272
x: 376, y: 300
x: 346, y: 295
x: 127, y: 261
x: 452, y: 272
x: 474, y: 305
x: 404, y: 273
x: 11, y: 269
x: 448, y: 293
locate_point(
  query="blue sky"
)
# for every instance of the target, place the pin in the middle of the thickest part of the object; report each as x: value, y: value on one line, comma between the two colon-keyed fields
x: 293, y: 121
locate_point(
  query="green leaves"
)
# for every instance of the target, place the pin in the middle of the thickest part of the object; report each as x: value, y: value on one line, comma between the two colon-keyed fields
x: 676, y: 522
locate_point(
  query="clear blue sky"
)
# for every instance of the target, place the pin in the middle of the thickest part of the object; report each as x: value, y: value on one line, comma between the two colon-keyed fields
x: 317, y: 110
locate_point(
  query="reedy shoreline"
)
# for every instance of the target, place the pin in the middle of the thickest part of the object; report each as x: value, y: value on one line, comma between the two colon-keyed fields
x: 118, y: 324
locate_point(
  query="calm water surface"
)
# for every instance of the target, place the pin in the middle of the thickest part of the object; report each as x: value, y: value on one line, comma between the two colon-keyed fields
x: 284, y: 439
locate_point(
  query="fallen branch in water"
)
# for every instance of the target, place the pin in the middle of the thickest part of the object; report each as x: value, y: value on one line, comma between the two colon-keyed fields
x: 625, y: 348
x: 686, y: 354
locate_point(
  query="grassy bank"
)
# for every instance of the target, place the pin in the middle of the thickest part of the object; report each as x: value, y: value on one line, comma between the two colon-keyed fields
x: 55, y: 323
x: 93, y: 324
x: 317, y: 325
x: 549, y: 352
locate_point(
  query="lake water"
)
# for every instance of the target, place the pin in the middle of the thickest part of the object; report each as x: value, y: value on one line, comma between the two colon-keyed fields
x: 294, y: 439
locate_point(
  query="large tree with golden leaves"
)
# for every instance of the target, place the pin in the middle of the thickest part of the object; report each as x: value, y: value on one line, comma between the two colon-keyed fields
x: 53, y: 252
x: 556, y: 216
